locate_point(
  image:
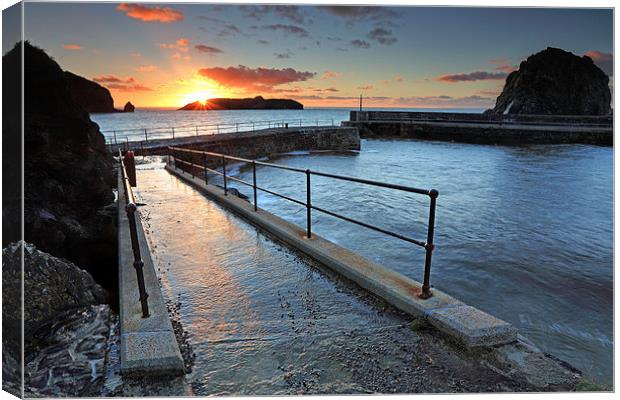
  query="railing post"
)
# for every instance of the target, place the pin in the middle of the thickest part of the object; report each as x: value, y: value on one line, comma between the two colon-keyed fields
x: 237, y: 127
x: 115, y: 142
x: 206, y: 172
x: 254, y: 185
x: 308, y: 206
x: 146, y: 136
x: 137, y: 264
x: 300, y: 123
x: 196, y: 131
x: 426, y: 286
x: 224, y: 174
x: 253, y: 126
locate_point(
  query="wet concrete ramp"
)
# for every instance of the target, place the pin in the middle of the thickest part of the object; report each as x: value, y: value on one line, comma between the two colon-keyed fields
x: 260, y: 320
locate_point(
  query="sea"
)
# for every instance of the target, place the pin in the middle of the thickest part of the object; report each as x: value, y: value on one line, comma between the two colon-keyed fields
x: 524, y: 233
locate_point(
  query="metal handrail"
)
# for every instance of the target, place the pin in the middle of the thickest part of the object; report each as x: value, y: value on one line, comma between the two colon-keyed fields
x: 173, y: 153
x: 228, y: 127
x: 138, y: 264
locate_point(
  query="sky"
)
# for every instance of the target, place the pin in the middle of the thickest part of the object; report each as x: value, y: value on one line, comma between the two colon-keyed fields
x: 167, y: 55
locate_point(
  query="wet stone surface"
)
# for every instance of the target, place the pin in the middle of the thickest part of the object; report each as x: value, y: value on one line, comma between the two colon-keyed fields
x: 254, y: 318
x: 68, y: 356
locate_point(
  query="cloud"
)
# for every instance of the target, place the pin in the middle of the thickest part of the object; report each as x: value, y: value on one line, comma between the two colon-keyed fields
x: 399, y: 79
x: 261, y: 78
x: 330, y: 89
x: 285, y: 55
x: 180, y: 45
x: 231, y: 30
x: 127, y: 84
x: 357, y: 13
x: 208, y: 49
x: 382, y: 36
x: 113, y: 79
x: 262, y: 41
x: 362, y: 44
x: 143, y: 13
x: 178, y: 56
x: 290, y: 29
x: 146, y: 68
x: 292, y: 13
x: 366, y: 87
x: 330, y: 74
x: 605, y: 61
x: 502, y: 64
x: 472, y: 76
x: 72, y: 46
x: 129, y: 88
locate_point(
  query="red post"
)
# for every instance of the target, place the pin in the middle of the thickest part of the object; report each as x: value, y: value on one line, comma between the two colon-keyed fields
x: 130, y: 167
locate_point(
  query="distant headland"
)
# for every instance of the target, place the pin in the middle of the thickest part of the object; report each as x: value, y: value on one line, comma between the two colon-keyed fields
x: 256, y: 103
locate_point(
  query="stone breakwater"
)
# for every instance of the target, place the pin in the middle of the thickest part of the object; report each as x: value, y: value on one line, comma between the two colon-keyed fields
x: 256, y: 144
x: 485, y: 128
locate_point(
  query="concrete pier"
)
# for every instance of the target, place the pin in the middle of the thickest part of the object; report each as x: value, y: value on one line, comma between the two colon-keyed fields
x: 483, y: 128
x: 148, y: 345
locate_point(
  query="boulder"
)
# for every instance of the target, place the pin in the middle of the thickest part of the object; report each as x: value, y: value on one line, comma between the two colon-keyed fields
x: 555, y: 82
x: 52, y: 285
x: 129, y: 107
x: 69, y: 175
x: 93, y: 97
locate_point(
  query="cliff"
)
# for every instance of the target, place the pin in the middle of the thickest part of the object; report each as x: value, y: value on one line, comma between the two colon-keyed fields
x: 68, y: 173
x: 93, y: 97
x: 555, y: 82
x: 257, y: 103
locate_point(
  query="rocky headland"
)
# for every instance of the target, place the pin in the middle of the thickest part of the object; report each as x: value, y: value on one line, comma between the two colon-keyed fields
x: 256, y: 103
x: 93, y: 97
x: 69, y: 217
x: 555, y: 82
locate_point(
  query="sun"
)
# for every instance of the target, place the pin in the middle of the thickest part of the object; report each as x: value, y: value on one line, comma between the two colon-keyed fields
x: 201, y: 96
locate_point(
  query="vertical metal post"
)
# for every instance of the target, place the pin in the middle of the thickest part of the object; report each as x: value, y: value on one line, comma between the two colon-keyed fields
x: 224, y: 172
x: 254, y: 185
x: 253, y: 126
x: 300, y: 123
x: 146, y: 136
x: 308, y: 206
x: 237, y: 127
x: 426, y: 286
x: 115, y: 142
x: 206, y: 172
x: 196, y: 131
x: 332, y: 122
x: 126, y: 143
x: 137, y: 264
x: 317, y: 122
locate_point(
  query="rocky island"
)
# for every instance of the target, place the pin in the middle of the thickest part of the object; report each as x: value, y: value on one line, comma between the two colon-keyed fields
x: 555, y: 82
x: 256, y: 103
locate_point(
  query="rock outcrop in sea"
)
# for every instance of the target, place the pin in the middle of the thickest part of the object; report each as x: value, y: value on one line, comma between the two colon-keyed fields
x: 256, y: 103
x: 129, y: 107
x: 555, y: 82
x: 69, y: 208
x: 93, y: 97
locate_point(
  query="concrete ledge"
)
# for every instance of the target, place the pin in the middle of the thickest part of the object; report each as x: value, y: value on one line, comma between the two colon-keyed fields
x: 148, y: 345
x: 467, y: 324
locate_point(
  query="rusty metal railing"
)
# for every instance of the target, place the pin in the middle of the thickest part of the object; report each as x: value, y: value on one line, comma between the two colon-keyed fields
x: 174, y: 152
x: 138, y: 264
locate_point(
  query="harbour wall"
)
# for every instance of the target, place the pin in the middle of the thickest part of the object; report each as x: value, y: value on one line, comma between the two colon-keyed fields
x: 483, y: 128
x: 255, y: 144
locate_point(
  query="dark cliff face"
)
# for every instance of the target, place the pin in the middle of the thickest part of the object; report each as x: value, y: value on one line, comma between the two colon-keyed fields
x: 68, y: 173
x: 257, y: 103
x: 93, y: 97
x: 555, y: 82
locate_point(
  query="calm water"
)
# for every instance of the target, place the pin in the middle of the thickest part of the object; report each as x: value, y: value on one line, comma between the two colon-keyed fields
x: 159, y: 121
x: 524, y: 233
